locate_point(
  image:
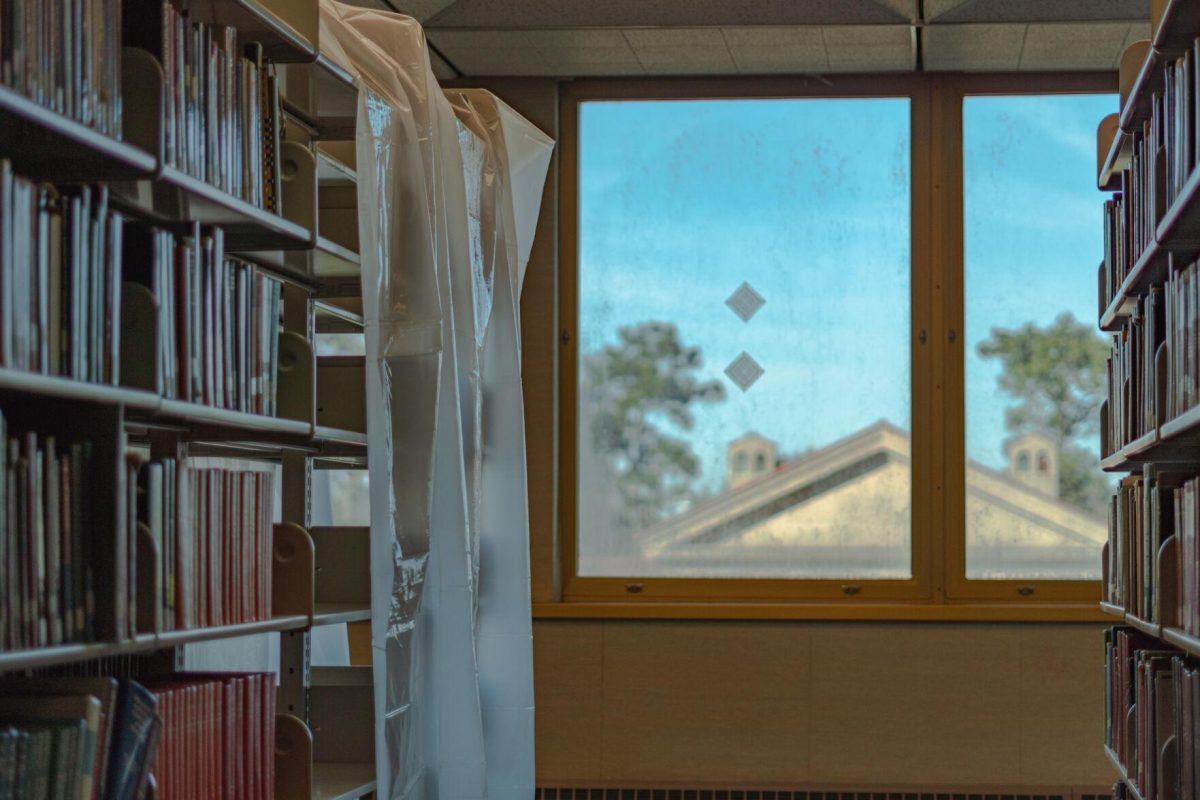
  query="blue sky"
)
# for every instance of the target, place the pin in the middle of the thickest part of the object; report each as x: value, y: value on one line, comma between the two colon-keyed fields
x: 808, y: 202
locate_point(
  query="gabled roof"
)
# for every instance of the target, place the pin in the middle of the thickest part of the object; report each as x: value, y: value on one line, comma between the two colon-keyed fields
x: 726, y: 515
x: 767, y: 494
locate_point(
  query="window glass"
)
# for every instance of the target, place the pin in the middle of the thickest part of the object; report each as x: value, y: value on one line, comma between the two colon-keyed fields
x: 1036, y: 500
x: 744, y: 339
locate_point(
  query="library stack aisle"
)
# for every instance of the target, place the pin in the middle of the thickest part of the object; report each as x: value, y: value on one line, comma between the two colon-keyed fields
x: 441, y: 269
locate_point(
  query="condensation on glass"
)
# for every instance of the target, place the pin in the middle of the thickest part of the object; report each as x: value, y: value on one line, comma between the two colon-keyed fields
x: 1036, y: 499
x: 744, y: 317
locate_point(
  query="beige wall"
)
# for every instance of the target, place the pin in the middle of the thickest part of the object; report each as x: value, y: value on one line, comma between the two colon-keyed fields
x: 760, y: 703
x: 783, y: 702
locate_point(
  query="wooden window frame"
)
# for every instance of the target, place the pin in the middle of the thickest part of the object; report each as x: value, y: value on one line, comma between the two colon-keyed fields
x: 938, y: 588
x: 952, y: 275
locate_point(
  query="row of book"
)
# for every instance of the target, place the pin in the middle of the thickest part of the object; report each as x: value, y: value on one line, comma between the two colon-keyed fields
x: 65, y: 256
x: 1131, y: 215
x: 1119, y: 253
x: 1134, y: 537
x: 66, y: 56
x: 76, y: 738
x: 218, y: 319
x: 218, y: 737
x: 1175, y: 116
x: 1130, y: 372
x: 1165, y: 152
x: 46, y: 536
x: 221, y: 105
x: 1181, y: 332
x: 1147, y: 510
x: 210, y: 530
x: 1186, y: 513
x: 206, y: 529
x: 1165, y: 315
x: 1152, y: 701
x: 60, y: 279
x: 169, y: 736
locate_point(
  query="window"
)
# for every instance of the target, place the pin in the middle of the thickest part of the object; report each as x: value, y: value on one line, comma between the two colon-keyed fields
x: 810, y: 342
x: 784, y: 343
x: 1034, y: 360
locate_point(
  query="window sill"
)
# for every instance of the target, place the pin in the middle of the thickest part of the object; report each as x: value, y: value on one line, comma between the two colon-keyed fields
x: 896, y: 612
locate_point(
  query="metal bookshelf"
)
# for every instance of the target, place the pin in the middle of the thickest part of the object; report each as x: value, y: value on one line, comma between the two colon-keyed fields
x: 321, y: 575
x: 1173, y: 444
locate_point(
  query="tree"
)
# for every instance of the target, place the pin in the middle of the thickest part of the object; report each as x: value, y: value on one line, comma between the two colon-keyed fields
x: 1057, y: 375
x: 632, y: 391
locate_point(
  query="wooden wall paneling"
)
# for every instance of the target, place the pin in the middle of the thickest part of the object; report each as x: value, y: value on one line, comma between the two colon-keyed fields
x: 805, y: 703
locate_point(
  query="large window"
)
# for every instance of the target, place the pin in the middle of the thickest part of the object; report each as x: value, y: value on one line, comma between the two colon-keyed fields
x: 1036, y: 500
x: 743, y: 405
x: 832, y: 344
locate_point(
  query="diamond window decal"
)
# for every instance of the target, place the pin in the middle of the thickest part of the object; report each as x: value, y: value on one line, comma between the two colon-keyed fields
x: 744, y: 371
x: 745, y: 302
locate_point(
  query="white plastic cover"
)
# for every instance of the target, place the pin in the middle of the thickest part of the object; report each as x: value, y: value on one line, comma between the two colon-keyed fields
x: 505, y: 158
x: 454, y: 701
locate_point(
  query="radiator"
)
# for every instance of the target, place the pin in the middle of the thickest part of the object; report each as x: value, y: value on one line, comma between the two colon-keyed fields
x: 681, y: 792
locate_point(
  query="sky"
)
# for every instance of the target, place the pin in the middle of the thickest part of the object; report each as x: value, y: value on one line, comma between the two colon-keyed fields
x: 808, y: 201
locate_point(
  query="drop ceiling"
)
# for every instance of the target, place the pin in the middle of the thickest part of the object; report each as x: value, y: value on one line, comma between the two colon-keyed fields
x: 576, y: 38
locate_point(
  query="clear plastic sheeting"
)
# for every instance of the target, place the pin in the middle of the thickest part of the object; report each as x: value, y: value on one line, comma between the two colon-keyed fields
x: 441, y: 263
x: 505, y: 161
x: 402, y: 251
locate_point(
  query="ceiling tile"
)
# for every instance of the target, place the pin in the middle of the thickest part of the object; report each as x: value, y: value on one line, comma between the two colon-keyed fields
x: 674, y: 37
x: 559, y: 53
x: 904, y: 9
x: 586, y: 52
x: 681, y: 50
x: 964, y: 11
x: 441, y: 70
x: 981, y: 47
x: 667, y: 13
x: 937, y: 8
x: 423, y: 9
x: 1073, y: 45
x: 777, y: 50
x: 869, y: 48
x: 488, y: 52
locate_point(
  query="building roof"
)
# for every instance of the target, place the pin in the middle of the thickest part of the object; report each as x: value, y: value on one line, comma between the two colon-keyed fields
x: 853, y: 459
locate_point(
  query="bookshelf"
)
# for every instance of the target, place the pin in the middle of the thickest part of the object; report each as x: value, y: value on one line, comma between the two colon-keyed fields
x: 251, y: 412
x: 1148, y: 158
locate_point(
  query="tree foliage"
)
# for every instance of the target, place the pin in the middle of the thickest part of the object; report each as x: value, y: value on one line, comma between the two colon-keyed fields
x: 634, y: 393
x: 1056, y: 373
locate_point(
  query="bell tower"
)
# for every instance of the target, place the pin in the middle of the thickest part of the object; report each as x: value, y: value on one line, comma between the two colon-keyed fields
x: 1033, y: 460
x: 747, y: 457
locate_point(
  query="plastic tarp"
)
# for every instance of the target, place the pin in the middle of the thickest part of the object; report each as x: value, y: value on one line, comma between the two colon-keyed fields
x: 505, y: 160
x: 452, y: 664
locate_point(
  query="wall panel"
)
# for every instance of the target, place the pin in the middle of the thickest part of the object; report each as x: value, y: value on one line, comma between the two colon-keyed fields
x: 819, y: 703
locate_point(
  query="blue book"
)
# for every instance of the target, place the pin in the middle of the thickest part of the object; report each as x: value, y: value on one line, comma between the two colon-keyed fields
x: 135, y: 734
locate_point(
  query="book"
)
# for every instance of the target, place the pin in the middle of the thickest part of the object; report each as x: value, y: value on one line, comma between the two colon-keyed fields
x: 66, y: 57
x: 218, y: 319
x: 211, y: 520
x: 102, y: 688
x: 218, y: 736
x: 60, y: 265
x: 73, y: 722
x: 135, y: 734
x: 44, y: 573
x: 221, y: 104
